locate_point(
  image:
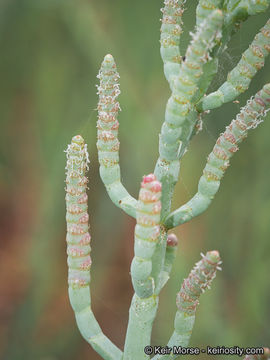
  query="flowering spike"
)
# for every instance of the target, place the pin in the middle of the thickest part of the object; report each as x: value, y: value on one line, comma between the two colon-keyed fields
x: 171, y: 30
x: 198, y: 280
x: 180, y: 117
x: 78, y: 237
x: 187, y: 299
x: 146, y: 235
x: 180, y: 114
x: 108, y: 143
x: 239, y: 78
x: 218, y: 161
x: 189, y: 78
x: 144, y: 303
x: 78, y: 250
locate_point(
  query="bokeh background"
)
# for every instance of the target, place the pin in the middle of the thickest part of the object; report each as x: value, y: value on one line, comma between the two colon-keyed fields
x: 50, y: 54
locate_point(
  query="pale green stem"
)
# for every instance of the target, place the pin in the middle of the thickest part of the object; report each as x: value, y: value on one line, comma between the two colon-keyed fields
x: 180, y: 119
x: 142, y: 313
x: 144, y: 304
x: 187, y: 301
x: 87, y: 324
x: 159, y: 260
x: 171, y: 30
x: 108, y: 143
x: 218, y: 160
x: 231, y: 18
x: 239, y: 78
x: 204, y: 9
x: 154, y: 249
x: 78, y: 250
x: 180, y: 115
x: 170, y: 254
x: 209, y: 71
x: 237, y: 11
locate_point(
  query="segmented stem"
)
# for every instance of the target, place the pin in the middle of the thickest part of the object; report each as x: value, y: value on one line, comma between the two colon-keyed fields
x: 78, y: 250
x: 142, y: 313
x: 210, y: 68
x: 146, y: 236
x: 178, y: 119
x: 255, y: 7
x: 265, y: 356
x: 171, y: 30
x: 144, y: 303
x: 205, y: 8
x: 187, y: 300
x: 218, y: 160
x: 239, y: 78
x: 197, y: 282
x: 189, y: 78
x: 108, y: 143
x: 180, y: 115
x: 170, y: 254
x: 237, y: 11
x: 78, y: 237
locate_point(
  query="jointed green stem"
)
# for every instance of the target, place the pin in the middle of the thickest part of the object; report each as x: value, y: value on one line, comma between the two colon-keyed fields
x: 240, y: 77
x: 239, y: 10
x: 218, y: 160
x: 204, y: 9
x: 147, y: 231
x: 78, y: 250
x: 108, y: 143
x: 180, y: 119
x: 142, y: 313
x: 187, y: 300
x: 170, y: 254
x: 189, y: 78
x: 236, y: 12
x: 171, y: 30
x: 144, y: 304
x: 180, y: 115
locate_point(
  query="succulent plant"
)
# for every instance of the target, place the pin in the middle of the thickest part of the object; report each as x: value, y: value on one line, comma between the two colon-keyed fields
x: 189, y: 76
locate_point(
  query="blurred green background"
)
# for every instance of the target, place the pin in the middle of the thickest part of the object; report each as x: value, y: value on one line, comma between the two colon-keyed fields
x: 50, y: 54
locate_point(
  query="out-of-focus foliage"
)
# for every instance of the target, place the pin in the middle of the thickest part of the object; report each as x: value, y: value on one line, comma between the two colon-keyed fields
x: 50, y: 54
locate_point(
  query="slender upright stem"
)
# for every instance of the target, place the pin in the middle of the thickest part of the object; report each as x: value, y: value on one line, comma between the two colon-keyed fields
x: 78, y: 250
x: 108, y: 143
x: 187, y: 300
x: 144, y: 303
